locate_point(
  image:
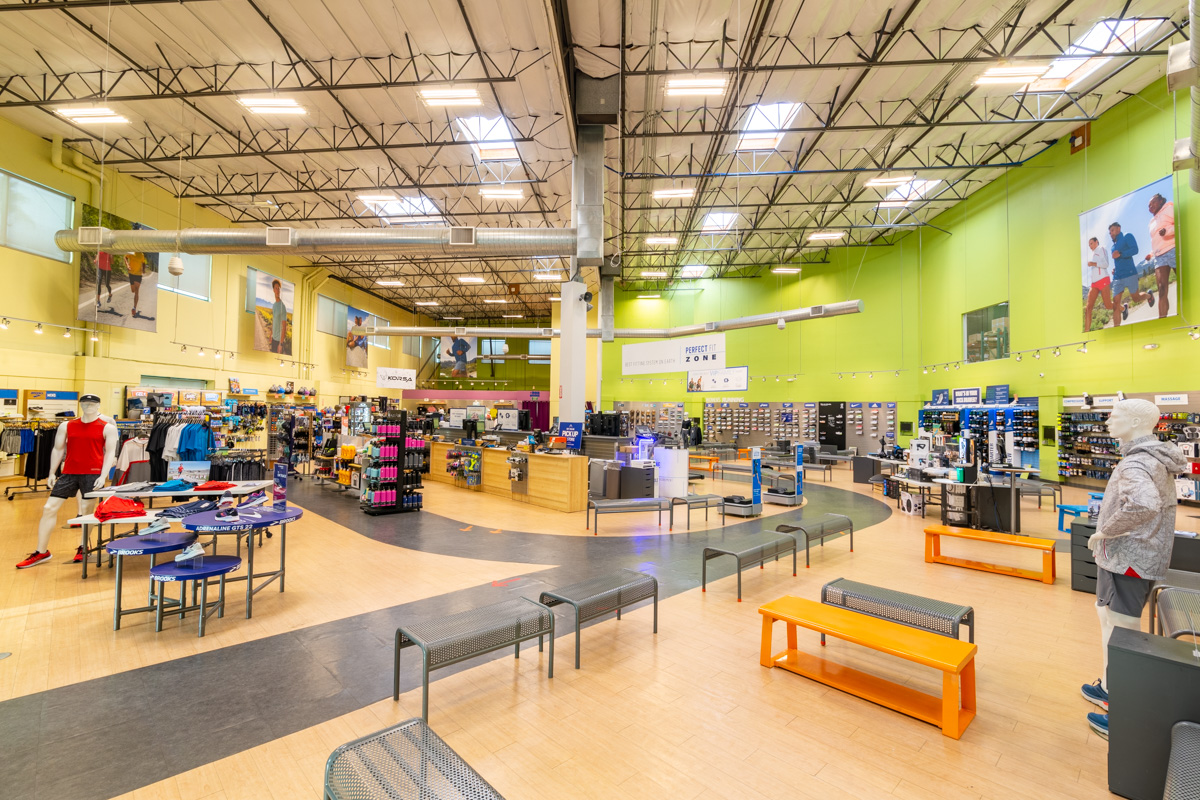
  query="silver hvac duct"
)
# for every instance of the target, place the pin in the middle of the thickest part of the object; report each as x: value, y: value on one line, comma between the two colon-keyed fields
x: 417, y: 242
x: 796, y: 315
x: 1194, y: 41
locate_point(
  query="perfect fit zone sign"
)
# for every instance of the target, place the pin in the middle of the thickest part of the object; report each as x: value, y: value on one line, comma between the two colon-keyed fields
x: 674, y: 355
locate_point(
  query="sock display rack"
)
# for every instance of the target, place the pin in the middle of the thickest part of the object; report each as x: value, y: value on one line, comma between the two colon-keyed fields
x: 392, y: 474
x: 1009, y: 432
x: 1085, y: 448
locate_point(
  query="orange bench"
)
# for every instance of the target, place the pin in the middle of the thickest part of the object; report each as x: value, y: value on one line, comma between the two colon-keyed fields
x: 698, y: 457
x: 933, y: 551
x: 955, y: 659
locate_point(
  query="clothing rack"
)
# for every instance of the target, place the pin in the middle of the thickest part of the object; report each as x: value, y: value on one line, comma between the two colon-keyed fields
x: 31, y: 484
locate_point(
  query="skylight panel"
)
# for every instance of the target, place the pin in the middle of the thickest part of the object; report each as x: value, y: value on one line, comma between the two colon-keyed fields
x: 692, y: 271
x: 718, y: 221
x: 905, y: 194
x: 419, y: 210
x: 764, y: 124
x: 490, y: 138
x: 1106, y: 38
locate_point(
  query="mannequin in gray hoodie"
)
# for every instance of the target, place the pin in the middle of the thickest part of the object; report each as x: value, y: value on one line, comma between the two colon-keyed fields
x: 1135, y: 531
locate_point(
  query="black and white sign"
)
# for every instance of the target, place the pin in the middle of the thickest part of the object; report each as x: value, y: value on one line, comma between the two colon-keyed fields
x: 395, y: 378
x: 732, y: 379
x: 674, y: 355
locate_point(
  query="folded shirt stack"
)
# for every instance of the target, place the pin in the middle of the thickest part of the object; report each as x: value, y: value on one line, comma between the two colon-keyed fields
x: 177, y: 485
x: 187, y: 509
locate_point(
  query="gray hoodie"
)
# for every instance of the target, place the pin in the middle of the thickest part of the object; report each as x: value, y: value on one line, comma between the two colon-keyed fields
x: 1137, y: 515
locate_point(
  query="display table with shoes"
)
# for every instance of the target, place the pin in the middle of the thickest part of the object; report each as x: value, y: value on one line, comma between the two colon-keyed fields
x: 150, y: 544
x: 89, y: 521
x: 239, y: 489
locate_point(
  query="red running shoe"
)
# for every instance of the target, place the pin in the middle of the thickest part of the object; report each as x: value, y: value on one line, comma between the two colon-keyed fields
x: 78, y: 559
x: 34, y: 559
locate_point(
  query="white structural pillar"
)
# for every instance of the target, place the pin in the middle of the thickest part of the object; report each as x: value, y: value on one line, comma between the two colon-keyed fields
x: 572, y: 352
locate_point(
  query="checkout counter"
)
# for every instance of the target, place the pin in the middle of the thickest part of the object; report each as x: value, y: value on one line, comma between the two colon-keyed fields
x: 549, y: 480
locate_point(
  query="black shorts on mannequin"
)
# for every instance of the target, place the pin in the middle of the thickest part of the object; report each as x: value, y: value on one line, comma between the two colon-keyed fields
x: 1123, y: 594
x: 68, y: 485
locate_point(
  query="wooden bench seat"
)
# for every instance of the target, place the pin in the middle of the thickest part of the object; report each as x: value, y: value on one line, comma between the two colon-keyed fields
x: 933, y: 551
x: 955, y: 659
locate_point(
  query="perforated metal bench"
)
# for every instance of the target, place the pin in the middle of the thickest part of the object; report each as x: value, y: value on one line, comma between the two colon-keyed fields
x: 826, y: 526
x: 630, y: 506
x: 751, y: 552
x: 602, y: 595
x: 1178, y: 611
x: 473, y: 633
x: 705, y: 501
x: 404, y: 762
x: 1183, y: 768
x: 913, y: 610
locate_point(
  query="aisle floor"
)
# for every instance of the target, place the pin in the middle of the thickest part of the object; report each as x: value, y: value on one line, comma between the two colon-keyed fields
x: 254, y: 708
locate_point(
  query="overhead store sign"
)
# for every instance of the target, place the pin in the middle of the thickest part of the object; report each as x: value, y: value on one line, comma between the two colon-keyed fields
x: 674, y: 355
x: 395, y: 378
x: 733, y: 379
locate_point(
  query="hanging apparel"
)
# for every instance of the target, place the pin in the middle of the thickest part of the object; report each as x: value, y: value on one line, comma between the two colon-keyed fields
x: 85, y: 447
x: 119, y: 507
x: 37, y: 464
x: 171, y: 443
x: 134, y: 463
x: 154, y: 450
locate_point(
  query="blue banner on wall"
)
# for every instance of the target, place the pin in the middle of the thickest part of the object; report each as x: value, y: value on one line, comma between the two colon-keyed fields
x: 967, y: 397
x: 941, y: 397
x: 997, y: 395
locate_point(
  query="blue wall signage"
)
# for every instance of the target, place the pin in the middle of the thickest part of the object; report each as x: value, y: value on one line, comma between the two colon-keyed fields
x: 941, y: 397
x: 810, y: 405
x: 874, y: 405
x: 572, y: 432
x: 997, y: 395
x: 856, y: 405
x: 789, y: 405
x: 967, y: 397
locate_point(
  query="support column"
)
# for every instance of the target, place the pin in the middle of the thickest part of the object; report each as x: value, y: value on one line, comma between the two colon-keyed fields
x: 572, y: 352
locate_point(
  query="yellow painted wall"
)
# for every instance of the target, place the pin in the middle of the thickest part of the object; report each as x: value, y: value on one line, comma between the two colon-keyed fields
x: 46, y: 290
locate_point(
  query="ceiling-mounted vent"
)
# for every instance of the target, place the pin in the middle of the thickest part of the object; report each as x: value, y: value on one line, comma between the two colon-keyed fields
x: 710, y: 326
x: 462, y: 235
x: 460, y: 331
x: 816, y: 311
x: 279, y: 237
x: 91, y: 237
x: 548, y: 332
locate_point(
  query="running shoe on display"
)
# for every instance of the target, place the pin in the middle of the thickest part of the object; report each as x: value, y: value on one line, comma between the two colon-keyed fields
x: 158, y: 526
x: 194, y: 550
x: 258, y: 498
x: 226, y: 500
x: 1094, y: 693
x: 227, y: 514
x: 78, y: 559
x: 34, y: 559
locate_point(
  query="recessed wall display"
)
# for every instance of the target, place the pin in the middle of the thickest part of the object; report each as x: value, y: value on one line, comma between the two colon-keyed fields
x: 117, y: 289
x: 1128, y: 258
x: 458, y: 356
x: 356, y: 343
x: 274, y: 299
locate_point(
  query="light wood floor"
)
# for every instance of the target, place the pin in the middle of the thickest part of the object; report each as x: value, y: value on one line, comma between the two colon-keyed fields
x: 688, y: 713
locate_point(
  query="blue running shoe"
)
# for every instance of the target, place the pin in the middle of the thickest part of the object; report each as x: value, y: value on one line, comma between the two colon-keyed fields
x: 1094, y: 693
x: 1099, y: 724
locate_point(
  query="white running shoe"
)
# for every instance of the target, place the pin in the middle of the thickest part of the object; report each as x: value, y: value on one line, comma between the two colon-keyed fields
x: 226, y: 500
x: 194, y: 550
x: 158, y: 526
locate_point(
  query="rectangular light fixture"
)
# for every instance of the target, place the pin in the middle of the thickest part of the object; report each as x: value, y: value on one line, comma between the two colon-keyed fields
x: 91, y: 116
x: 512, y: 316
x: 718, y: 221
x: 378, y: 198
x: 426, y: 303
x: 673, y: 194
x: 450, y: 96
x: 786, y: 271
x: 451, y: 317
x: 548, y: 276
x: 825, y: 236
x: 501, y: 193
x: 890, y: 180
x: 389, y: 283
x: 684, y: 87
x: 654, y: 273
x: 692, y: 271
x: 1012, y: 75
x: 267, y: 104
x: 555, y: 298
x: 494, y: 300
x: 649, y: 296
x: 472, y: 279
x: 661, y: 240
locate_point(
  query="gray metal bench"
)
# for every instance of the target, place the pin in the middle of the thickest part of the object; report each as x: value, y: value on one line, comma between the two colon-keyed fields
x: 913, y: 610
x: 1176, y: 579
x: 705, y: 501
x: 787, y: 468
x: 404, y: 762
x: 1178, y: 612
x: 631, y: 506
x: 604, y: 594
x: 750, y: 552
x: 828, y: 525
x: 1183, y: 767
x: 769, y: 478
x: 1040, y: 489
x: 472, y: 633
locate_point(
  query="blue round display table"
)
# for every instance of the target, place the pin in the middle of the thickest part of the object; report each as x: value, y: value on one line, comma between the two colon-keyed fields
x: 199, y: 570
x: 148, y: 545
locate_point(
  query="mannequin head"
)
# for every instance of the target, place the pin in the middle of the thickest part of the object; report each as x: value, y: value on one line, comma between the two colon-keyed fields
x: 1132, y: 419
x: 89, y: 407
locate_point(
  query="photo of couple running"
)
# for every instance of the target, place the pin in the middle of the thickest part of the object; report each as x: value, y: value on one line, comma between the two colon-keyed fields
x: 1125, y: 280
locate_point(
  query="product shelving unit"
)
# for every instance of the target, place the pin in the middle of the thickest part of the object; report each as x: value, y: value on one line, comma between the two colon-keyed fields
x: 392, y: 474
x: 1086, y: 450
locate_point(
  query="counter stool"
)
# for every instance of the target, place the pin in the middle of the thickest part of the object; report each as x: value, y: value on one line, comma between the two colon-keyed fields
x: 149, y: 545
x: 1074, y: 511
x: 198, y: 569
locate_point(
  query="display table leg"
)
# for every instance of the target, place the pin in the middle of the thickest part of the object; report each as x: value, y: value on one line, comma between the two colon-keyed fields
x: 117, y: 602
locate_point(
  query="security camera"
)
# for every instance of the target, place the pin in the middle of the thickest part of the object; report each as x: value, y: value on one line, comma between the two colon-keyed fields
x: 781, y: 324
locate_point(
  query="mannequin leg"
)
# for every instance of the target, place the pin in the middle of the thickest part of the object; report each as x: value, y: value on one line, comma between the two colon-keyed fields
x: 1108, y: 621
x: 48, y: 521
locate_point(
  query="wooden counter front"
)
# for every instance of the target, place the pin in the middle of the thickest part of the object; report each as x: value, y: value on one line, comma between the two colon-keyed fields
x: 555, y: 482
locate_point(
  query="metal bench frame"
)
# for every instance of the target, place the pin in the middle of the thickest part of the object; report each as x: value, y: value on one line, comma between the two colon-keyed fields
x: 907, y: 609
x: 1175, y: 579
x: 442, y: 645
x: 1164, y: 622
x: 841, y: 524
x: 757, y: 553
x: 694, y: 500
x: 375, y: 768
x: 1183, y: 766
x: 602, y: 595
x: 631, y: 505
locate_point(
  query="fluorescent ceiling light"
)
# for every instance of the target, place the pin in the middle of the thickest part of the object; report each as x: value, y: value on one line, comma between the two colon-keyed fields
x: 825, y: 236
x: 450, y: 97
x: 786, y: 270
x: 512, y: 316
x: 903, y: 195
x: 1019, y: 75
x: 472, y: 279
x: 717, y: 221
x: 426, y: 303
x: 692, y: 271
x: 649, y: 296
x: 389, y: 283
x: 91, y: 116
x: 1106, y: 38
x: 494, y: 300
x: 673, y: 194
x: 376, y: 198
x: 501, y: 193
x: 451, y: 317
x: 890, y: 180
x: 662, y: 240
x: 682, y: 87
x: 547, y: 276
x: 266, y: 104
x: 763, y: 125
x: 654, y: 273
x: 490, y: 138
x: 555, y: 298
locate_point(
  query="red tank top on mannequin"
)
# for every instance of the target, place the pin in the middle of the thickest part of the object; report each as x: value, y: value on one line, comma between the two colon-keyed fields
x: 85, y: 447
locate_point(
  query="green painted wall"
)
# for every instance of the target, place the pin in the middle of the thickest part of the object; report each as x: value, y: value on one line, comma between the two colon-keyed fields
x: 1016, y: 239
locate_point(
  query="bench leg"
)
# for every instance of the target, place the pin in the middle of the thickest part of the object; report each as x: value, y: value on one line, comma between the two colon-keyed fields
x: 951, y: 691
x: 807, y: 563
x: 656, y: 610
x: 424, y: 685
x: 396, y: 671
x: 793, y: 560
x: 791, y: 637
x: 932, y: 547
x: 764, y: 656
x: 704, y: 574
x: 970, y: 623
x: 852, y: 538
x: 517, y: 650
x: 1048, y: 567
x: 550, y: 667
x: 739, y: 572
x: 822, y: 640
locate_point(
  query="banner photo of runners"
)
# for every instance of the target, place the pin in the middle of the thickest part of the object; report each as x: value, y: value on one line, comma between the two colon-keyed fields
x: 457, y: 356
x: 118, y: 289
x: 1128, y: 251
x: 356, y: 344
x: 274, y: 299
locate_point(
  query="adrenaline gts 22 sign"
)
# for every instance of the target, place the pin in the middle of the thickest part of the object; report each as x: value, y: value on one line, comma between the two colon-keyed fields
x: 674, y: 355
